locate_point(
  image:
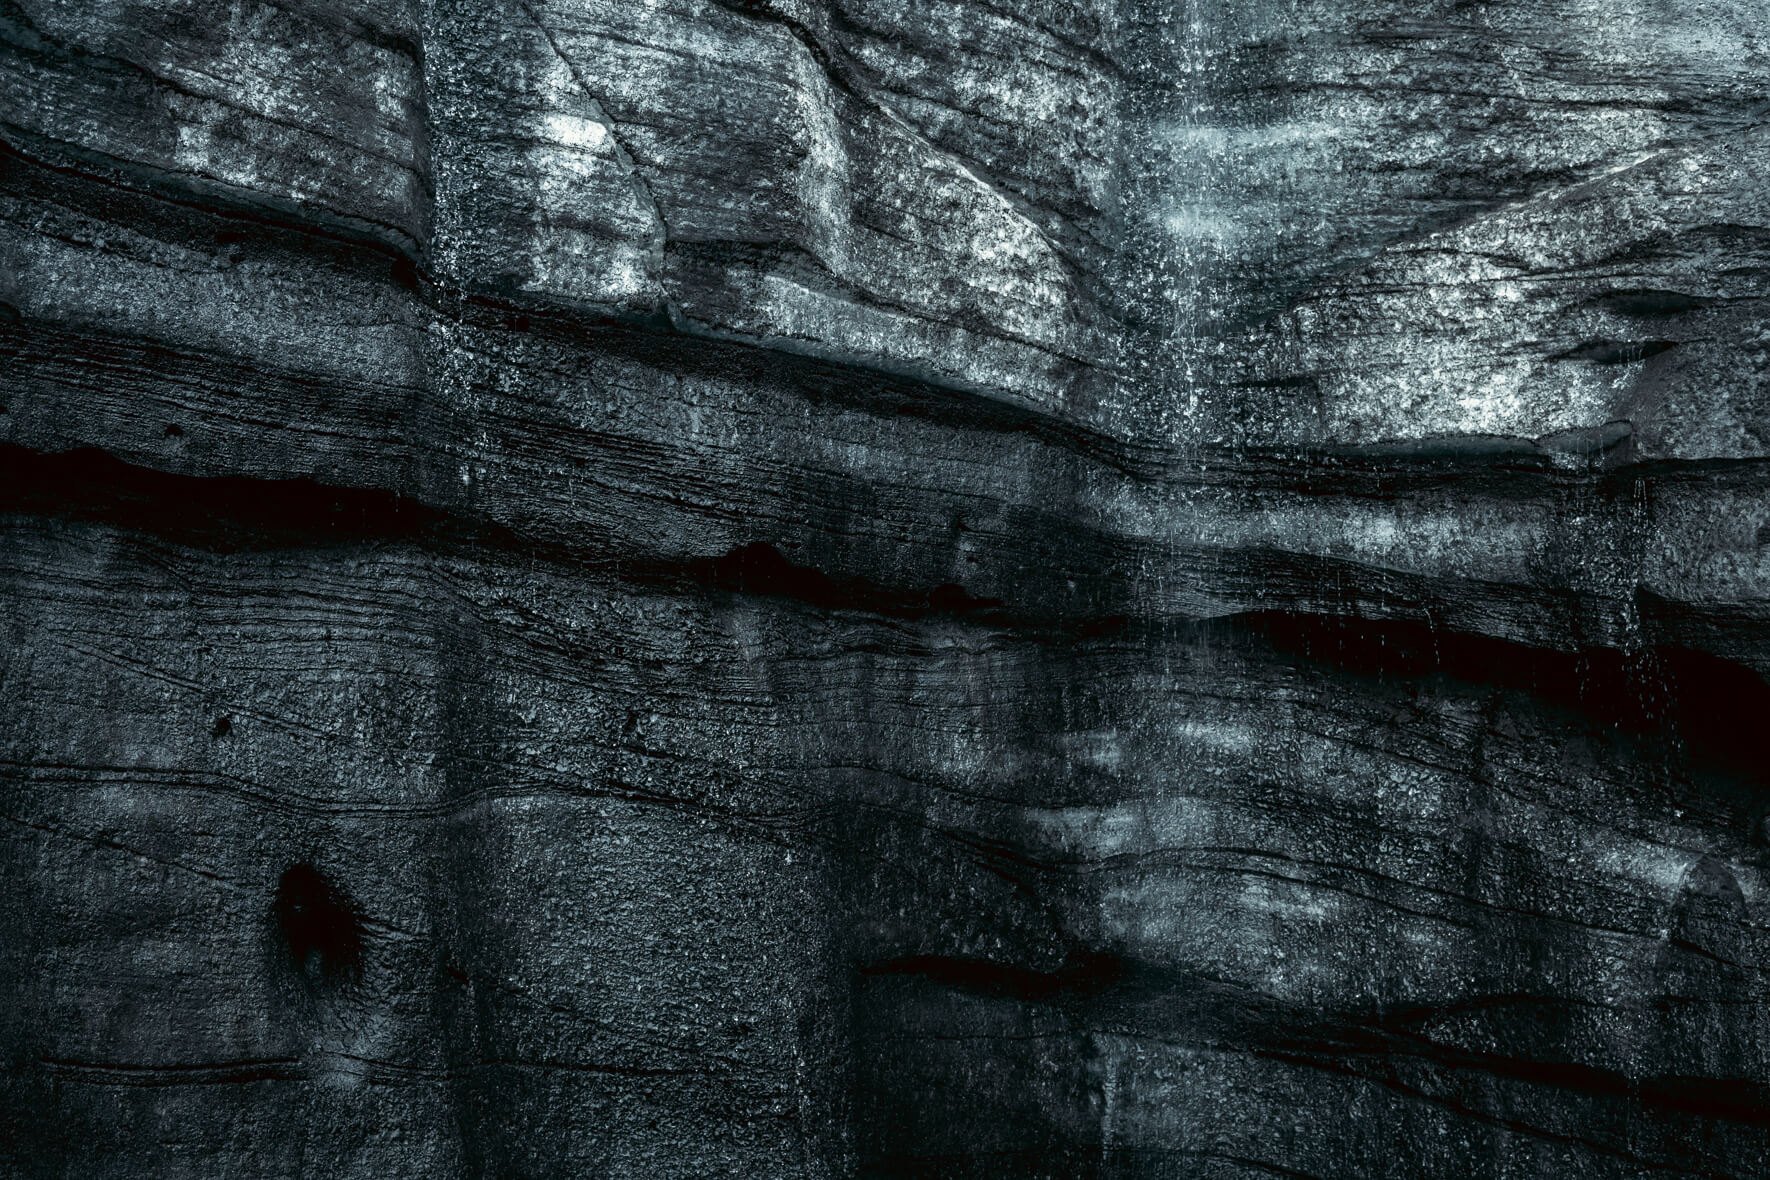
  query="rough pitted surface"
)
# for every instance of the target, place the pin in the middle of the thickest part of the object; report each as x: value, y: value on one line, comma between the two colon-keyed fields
x: 815, y: 588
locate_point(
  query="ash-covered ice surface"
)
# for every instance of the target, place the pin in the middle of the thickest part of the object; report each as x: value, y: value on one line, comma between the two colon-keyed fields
x: 925, y: 588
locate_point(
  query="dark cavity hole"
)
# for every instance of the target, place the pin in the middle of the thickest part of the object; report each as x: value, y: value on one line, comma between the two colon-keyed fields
x: 174, y: 431
x: 223, y: 726
x: 759, y: 568
x: 1708, y: 709
x: 953, y: 598
x: 320, y: 924
x: 1616, y: 352
x: 1651, y: 304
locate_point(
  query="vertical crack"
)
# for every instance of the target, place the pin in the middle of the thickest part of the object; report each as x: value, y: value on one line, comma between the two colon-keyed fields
x: 845, y: 80
x: 661, y: 234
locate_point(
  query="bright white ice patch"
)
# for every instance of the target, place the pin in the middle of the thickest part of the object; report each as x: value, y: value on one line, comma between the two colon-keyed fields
x: 575, y: 131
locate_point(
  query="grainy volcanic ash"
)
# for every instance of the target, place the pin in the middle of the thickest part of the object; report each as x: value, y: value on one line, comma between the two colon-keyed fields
x: 939, y: 588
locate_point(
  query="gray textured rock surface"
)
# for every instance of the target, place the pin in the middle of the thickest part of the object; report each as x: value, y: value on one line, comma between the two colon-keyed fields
x: 957, y: 588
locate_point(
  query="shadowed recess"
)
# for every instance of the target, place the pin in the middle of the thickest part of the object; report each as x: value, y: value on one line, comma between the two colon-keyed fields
x: 759, y: 568
x: 1700, y: 708
x: 224, y: 513
x: 320, y: 925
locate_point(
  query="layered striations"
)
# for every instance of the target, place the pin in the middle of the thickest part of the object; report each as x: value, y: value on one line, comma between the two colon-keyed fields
x: 830, y: 587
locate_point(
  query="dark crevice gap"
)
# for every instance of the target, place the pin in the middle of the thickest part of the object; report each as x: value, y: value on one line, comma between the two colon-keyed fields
x: 1503, y: 468
x: 1704, y: 705
x: 237, y: 514
x: 1649, y: 303
x: 1693, y: 711
x: 321, y: 926
x: 760, y: 569
x: 220, y: 513
x: 1616, y: 352
x: 1372, y: 1048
